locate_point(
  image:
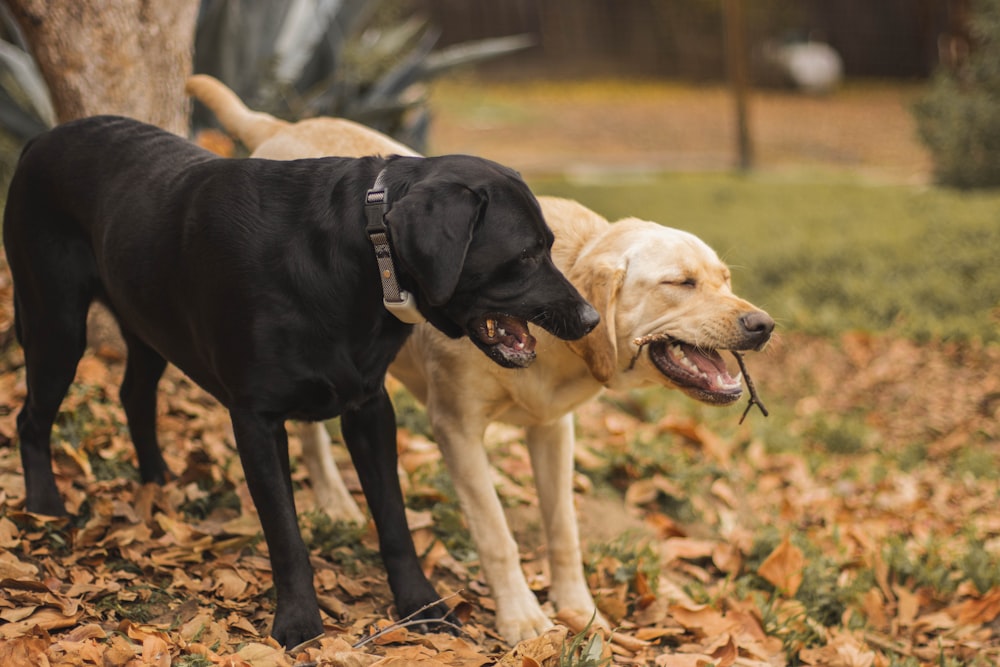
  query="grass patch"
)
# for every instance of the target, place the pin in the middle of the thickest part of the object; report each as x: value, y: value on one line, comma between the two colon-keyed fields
x: 630, y: 559
x: 832, y: 255
x: 339, y: 541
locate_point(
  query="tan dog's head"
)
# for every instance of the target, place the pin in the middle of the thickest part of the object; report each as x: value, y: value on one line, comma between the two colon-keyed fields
x: 667, y: 310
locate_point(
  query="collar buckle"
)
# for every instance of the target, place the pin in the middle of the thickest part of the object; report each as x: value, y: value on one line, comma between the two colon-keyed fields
x: 397, y: 301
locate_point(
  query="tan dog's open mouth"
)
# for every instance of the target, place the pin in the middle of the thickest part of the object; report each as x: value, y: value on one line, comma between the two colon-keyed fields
x: 506, y: 339
x: 699, y: 372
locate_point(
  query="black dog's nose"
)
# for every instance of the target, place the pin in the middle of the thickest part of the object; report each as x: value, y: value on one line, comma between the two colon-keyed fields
x: 589, y: 317
x: 758, y: 326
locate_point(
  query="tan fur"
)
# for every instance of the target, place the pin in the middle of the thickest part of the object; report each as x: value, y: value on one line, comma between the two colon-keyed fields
x: 624, y: 269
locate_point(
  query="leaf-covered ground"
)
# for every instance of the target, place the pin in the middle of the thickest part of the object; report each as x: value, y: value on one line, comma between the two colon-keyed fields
x: 855, y: 526
x: 727, y: 549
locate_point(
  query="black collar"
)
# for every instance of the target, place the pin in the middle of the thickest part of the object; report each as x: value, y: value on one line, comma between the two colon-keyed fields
x: 397, y: 301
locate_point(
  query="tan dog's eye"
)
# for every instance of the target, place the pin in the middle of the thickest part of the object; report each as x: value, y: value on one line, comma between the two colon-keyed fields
x: 681, y: 282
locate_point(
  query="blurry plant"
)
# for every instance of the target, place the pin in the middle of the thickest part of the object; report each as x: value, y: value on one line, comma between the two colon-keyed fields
x: 579, y: 652
x: 959, y: 119
x: 354, y: 59
x: 358, y: 59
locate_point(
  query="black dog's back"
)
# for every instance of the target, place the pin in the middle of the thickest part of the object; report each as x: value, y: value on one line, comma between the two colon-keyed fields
x: 109, y: 209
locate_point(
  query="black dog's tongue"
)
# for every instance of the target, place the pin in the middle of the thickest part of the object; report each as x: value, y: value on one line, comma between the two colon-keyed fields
x: 511, y: 332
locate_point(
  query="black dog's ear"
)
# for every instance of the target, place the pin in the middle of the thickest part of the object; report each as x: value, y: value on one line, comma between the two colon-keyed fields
x: 431, y: 228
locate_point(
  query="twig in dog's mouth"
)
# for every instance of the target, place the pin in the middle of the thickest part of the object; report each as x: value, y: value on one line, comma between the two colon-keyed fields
x: 641, y: 342
x: 754, y: 398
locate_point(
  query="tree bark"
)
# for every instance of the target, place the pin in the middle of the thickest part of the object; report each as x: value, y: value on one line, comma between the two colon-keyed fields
x: 127, y: 57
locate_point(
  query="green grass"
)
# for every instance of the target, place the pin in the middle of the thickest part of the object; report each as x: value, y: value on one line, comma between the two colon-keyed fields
x: 831, y: 253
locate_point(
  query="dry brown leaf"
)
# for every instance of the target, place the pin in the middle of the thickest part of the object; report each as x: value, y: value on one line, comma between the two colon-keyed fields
x: 25, y: 652
x: 13, y: 568
x: 92, y: 371
x: 686, y: 548
x: 783, y: 568
x: 907, y: 606
x: 229, y: 583
x: 540, y: 649
x: 264, y: 655
x: 977, y: 611
x: 45, y: 618
x: 685, y: 660
x: 843, y: 650
x: 155, y: 652
x: 726, y: 654
x: 703, y: 620
x: 9, y: 534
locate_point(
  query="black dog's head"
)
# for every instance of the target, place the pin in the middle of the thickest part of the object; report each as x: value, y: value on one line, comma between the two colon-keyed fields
x: 471, y: 236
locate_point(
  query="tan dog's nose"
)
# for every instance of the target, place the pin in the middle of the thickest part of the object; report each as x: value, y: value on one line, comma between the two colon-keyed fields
x: 757, y: 327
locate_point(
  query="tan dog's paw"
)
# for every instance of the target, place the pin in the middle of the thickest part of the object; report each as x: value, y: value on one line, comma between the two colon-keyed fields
x: 520, y: 619
x: 576, y: 607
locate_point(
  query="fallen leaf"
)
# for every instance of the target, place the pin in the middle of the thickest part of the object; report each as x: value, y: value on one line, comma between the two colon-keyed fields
x: 45, y: 618
x: 783, y: 568
x: 540, y: 649
x: 25, y: 652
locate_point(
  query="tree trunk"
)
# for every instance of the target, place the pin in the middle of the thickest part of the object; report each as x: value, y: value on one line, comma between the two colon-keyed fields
x: 127, y: 57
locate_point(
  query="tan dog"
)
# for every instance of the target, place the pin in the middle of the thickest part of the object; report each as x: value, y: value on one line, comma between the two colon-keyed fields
x: 649, y: 282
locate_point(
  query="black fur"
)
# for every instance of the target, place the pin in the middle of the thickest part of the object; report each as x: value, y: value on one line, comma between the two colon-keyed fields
x: 256, y: 279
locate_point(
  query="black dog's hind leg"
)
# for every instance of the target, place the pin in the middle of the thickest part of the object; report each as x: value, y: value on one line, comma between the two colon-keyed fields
x: 370, y: 435
x: 263, y: 446
x: 53, y: 333
x: 138, y: 395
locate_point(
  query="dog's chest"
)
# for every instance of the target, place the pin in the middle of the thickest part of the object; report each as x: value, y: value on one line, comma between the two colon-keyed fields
x: 343, y: 377
x: 545, y: 394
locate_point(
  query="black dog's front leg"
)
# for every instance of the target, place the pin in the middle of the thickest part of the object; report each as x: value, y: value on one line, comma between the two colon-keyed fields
x: 263, y: 446
x: 370, y: 434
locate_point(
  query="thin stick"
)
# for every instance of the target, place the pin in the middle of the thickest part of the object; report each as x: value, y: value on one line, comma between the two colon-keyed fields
x: 641, y: 342
x: 406, y: 621
x: 754, y: 398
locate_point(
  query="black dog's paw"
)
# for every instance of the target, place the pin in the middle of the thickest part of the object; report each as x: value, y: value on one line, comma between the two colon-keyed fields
x: 47, y: 505
x: 293, y: 628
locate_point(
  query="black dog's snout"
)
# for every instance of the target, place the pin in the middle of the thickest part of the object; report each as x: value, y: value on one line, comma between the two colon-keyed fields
x: 589, y: 317
x: 757, y: 325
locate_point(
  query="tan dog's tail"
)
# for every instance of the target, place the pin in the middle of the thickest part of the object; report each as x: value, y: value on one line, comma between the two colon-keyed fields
x: 251, y: 127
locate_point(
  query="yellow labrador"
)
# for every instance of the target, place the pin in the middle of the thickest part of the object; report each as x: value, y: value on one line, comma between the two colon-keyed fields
x: 651, y: 284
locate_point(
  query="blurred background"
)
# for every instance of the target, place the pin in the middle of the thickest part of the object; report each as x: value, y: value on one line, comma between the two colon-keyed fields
x: 843, y: 156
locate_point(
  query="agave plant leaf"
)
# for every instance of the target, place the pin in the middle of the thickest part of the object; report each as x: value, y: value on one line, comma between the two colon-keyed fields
x: 400, y: 77
x: 22, y: 68
x: 467, y: 53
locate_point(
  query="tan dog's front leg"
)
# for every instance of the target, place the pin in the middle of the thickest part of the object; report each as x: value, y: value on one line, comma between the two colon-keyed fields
x: 519, y: 616
x: 332, y: 496
x: 551, y: 449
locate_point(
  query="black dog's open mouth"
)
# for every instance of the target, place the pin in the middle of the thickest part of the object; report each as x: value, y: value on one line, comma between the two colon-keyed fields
x: 700, y: 373
x: 505, y: 339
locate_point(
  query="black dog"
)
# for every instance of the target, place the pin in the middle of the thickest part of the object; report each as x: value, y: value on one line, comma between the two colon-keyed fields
x: 259, y: 280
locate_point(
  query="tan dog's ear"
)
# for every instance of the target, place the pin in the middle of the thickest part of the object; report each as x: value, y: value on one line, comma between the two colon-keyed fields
x: 599, y: 348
